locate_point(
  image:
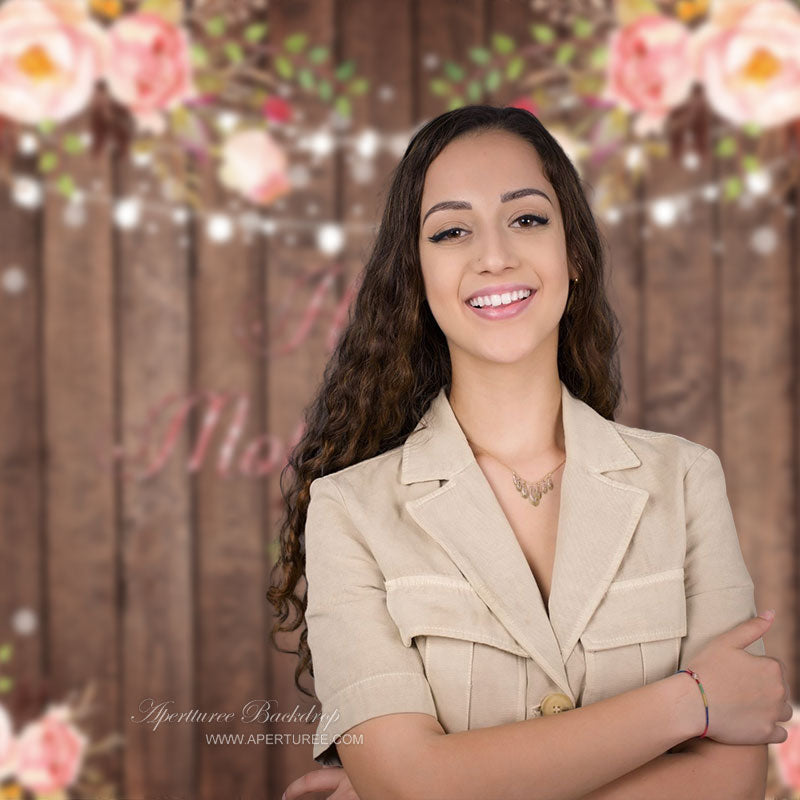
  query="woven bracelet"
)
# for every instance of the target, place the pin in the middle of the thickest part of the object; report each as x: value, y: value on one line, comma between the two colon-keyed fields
x: 691, y: 673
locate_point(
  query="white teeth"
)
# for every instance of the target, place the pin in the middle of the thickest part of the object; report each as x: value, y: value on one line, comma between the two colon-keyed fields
x: 499, y: 299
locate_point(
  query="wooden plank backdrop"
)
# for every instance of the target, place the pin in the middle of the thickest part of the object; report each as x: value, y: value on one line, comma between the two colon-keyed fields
x: 154, y: 589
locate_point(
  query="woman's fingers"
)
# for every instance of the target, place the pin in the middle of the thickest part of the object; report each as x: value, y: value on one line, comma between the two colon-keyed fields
x: 318, y: 780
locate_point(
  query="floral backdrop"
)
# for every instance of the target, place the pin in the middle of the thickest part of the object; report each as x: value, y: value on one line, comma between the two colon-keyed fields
x: 173, y: 88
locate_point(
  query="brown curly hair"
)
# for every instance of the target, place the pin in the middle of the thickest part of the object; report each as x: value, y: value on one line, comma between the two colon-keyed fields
x: 392, y: 358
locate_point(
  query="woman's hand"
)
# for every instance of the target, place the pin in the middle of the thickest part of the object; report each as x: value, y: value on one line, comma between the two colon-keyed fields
x: 322, y: 780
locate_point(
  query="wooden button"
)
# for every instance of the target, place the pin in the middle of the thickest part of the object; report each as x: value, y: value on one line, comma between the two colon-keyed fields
x: 556, y: 703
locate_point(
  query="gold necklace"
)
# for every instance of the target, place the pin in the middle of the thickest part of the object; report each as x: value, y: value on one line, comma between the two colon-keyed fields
x: 530, y: 491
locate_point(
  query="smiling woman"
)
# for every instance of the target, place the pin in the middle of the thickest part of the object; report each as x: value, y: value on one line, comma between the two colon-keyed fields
x: 455, y: 610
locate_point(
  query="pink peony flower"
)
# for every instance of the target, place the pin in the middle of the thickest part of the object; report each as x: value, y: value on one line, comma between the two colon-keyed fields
x: 254, y: 165
x: 150, y: 70
x: 50, y: 752
x: 649, y: 69
x: 788, y: 752
x: 51, y: 55
x: 747, y: 56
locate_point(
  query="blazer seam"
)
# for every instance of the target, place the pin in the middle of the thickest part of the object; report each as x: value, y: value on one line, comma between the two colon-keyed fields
x: 699, y: 456
x: 720, y: 589
x: 373, y: 678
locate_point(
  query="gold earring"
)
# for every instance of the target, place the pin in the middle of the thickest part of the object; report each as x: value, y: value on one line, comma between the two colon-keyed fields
x: 574, y: 282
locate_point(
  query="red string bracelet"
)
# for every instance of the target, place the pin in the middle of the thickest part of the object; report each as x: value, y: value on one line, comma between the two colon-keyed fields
x: 691, y: 673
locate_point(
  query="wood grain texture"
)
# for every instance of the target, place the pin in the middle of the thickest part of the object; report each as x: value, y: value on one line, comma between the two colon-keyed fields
x: 77, y: 368
x: 155, y: 588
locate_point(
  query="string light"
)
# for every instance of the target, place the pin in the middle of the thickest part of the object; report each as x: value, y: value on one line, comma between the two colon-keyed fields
x: 127, y: 212
x: 664, y: 210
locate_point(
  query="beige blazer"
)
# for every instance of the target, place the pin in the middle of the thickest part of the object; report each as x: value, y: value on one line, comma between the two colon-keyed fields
x: 421, y: 599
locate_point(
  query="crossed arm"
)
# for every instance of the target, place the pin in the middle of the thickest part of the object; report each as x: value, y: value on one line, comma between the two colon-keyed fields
x: 698, y: 769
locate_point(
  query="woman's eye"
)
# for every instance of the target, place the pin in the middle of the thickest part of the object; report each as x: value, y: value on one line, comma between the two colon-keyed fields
x: 540, y: 220
x: 444, y: 235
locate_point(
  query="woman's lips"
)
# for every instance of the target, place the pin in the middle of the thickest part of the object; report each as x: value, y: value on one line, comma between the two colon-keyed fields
x: 503, y: 312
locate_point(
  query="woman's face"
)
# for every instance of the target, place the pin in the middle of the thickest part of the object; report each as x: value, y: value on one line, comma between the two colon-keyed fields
x: 493, y: 243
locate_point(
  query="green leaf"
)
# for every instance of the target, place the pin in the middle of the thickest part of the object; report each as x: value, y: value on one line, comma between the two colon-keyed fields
x: 305, y: 77
x: 6, y: 651
x: 474, y: 91
x: 628, y: 11
x: 440, y: 86
x: 599, y: 56
x: 179, y: 119
x: 750, y: 163
x: 215, y: 26
x: 358, y: 86
x: 733, y: 187
x: 345, y: 70
x: 325, y: 89
x: 751, y: 129
x: 296, y: 42
x: 502, y: 43
x: 582, y: 28
x: 46, y: 126
x: 453, y: 71
x: 170, y: 10
x: 5, y: 684
x: 318, y: 54
x: 73, y: 144
x: 493, y: 80
x: 48, y: 161
x: 726, y: 147
x: 255, y: 32
x: 455, y: 102
x: 514, y: 68
x: 284, y: 66
x: 480, y: 55
x: 210, y: 83
x: 565, y: 53
x: 65, y: 185
x: 542, y: 33
x: 343, y: 106
x: 198, y: 55
x: 234, y: 52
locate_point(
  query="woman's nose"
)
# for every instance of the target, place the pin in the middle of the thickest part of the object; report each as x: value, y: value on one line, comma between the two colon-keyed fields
x: 494, y: 251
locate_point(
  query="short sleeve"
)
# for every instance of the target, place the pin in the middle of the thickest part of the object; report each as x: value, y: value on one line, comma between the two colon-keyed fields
x: 362, y: 669
x: 719, y: 589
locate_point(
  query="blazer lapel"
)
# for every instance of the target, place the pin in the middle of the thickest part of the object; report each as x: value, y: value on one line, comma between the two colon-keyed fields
x: 597, y: 518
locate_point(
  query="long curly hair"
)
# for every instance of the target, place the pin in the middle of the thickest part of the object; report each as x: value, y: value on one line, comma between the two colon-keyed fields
x: 392, y: 358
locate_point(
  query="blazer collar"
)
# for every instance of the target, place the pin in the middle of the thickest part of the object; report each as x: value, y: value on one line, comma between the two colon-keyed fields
x: 597, y: 517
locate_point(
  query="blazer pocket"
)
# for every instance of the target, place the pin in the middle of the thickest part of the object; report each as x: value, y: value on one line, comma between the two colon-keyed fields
x: 475, y: 668
x: 634, y: 636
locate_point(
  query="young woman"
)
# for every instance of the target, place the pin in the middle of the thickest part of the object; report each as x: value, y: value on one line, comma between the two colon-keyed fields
x: 484, y: 547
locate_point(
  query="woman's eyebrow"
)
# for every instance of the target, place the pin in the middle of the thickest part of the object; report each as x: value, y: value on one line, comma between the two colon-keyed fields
x: 461, y: 205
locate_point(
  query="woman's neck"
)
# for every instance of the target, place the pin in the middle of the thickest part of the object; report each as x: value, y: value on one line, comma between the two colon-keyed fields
x: 519, y: 425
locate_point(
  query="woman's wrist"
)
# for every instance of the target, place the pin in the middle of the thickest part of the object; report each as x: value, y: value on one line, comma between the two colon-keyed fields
x: 684, y: 696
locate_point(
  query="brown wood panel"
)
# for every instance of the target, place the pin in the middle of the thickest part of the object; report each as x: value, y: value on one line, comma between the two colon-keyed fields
x: 792, y: 208
x: 228, y: 279
x: 291, y: 260
x: 80, y: 506
x: 23, y: 550
x: 158, y: 553
x: 756, y: 403
x: 680, y: 307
